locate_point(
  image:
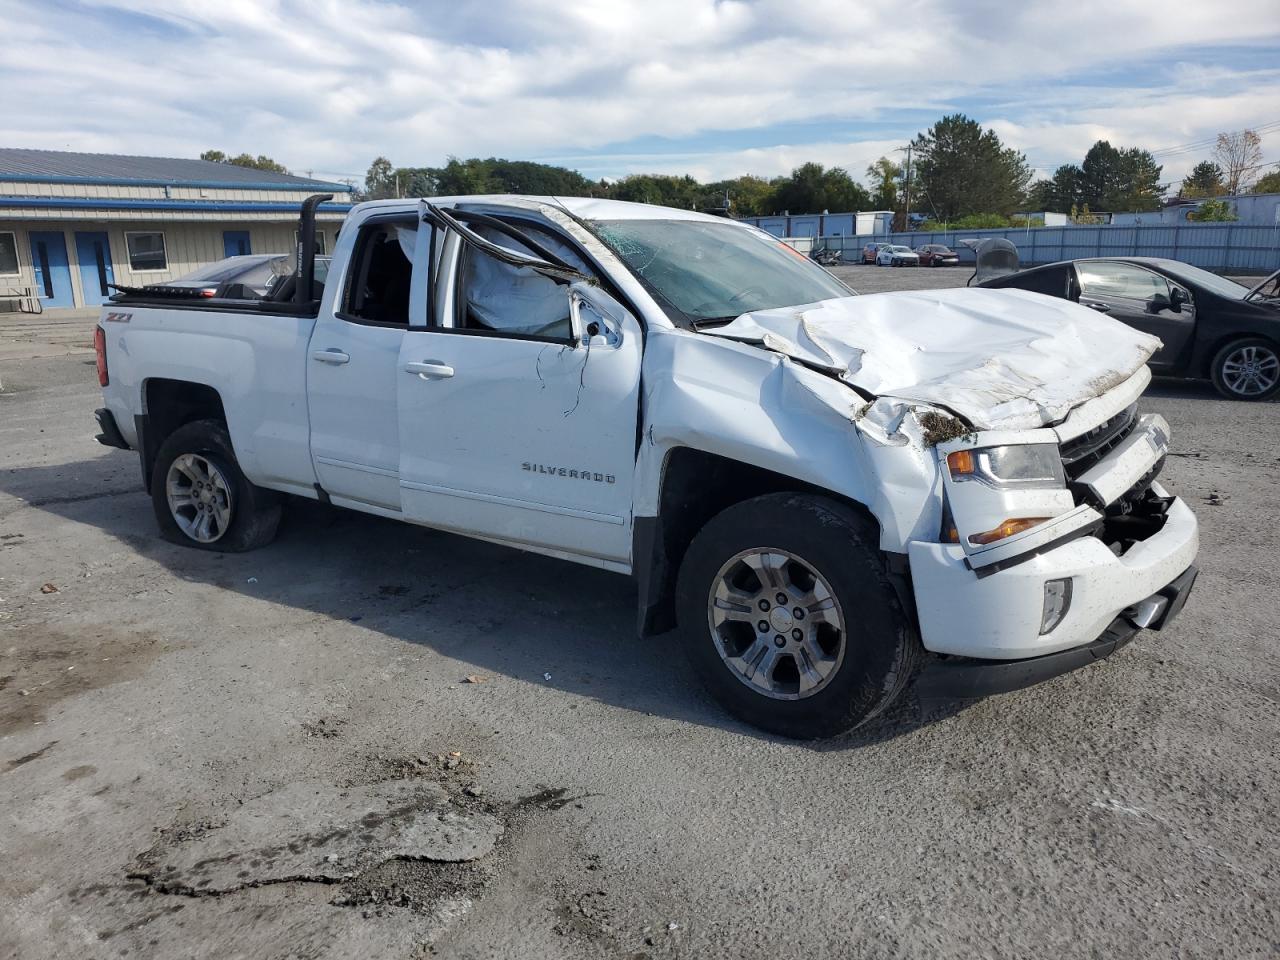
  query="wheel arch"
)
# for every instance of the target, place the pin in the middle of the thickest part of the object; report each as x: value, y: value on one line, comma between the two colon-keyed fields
x: 1203, y: 365
x: 695, y: 486
x: 167, y: 405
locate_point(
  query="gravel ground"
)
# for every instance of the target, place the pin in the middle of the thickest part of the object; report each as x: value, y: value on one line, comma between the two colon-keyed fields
x: 157, y: 703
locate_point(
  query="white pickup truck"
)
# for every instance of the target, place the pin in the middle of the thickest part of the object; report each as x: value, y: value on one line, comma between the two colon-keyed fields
x: 830, y: 496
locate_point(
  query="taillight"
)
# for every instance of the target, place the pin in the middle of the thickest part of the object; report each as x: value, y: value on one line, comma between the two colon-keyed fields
x: 100, y: 348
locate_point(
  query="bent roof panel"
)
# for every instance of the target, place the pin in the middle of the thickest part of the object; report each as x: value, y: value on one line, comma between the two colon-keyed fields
x: 58, y: 165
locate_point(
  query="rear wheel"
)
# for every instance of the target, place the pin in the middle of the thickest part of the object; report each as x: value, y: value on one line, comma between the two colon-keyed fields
x: 202, y: 499
x: 789, y: 618
x: 1247, y: 369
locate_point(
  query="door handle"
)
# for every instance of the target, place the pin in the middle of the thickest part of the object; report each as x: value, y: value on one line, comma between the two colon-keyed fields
x: 429, y: 369
x: 332, y: 355
x: 1100, y: 307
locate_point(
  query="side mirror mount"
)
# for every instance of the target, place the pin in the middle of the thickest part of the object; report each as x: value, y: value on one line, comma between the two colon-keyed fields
x: 1160, y: 302
x: 1178, y: 298
x: 598, y: 319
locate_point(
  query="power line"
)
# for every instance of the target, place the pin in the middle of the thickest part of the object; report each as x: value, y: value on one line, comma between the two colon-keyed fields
x: 1195, y: 145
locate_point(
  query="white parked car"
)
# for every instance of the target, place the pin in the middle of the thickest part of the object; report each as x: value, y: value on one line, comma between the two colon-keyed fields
x: 896, y: 255
x: 830, y: 496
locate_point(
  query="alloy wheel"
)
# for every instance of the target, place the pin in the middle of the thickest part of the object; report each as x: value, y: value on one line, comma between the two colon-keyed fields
x: 1250, y: 371
x: 776, y: 623
x: 199, y: 498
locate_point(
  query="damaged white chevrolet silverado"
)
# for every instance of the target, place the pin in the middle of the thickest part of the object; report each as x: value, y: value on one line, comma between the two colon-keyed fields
x: 831, y: 496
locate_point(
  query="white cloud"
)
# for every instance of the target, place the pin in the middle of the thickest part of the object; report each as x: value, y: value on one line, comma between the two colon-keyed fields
x: 326, y: 85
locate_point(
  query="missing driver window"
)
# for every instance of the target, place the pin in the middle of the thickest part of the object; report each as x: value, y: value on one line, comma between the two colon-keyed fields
x: 381, y: 284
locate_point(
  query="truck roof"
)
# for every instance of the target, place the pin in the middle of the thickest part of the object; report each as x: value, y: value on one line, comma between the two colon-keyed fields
x: 588, y: 208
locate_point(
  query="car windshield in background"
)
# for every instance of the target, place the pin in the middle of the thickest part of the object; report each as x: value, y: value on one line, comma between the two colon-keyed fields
x: 716, y: 271
x: 1227, y: 289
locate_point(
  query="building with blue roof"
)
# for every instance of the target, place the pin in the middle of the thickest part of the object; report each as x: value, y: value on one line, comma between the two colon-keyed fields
x: 71, y: 224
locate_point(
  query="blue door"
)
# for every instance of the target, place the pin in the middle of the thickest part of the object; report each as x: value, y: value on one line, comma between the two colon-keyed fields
x: 93, y: 255
x: 235, y: 243
x: 53, y: 273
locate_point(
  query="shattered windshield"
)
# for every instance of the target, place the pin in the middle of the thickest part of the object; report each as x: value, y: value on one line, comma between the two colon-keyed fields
x: 716, y: 271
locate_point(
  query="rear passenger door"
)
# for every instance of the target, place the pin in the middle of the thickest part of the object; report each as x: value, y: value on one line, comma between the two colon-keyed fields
x: 352, y: 369
x: 518, y: 406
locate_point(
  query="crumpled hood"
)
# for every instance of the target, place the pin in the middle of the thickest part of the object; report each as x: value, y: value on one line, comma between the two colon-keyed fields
x: 1002, y: 359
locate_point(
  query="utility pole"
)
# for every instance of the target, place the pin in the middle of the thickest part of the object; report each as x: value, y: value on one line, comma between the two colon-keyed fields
x: 906, y: 210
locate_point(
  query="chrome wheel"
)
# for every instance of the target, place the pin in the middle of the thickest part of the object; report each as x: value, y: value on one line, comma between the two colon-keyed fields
x: 199, y: 498
x: 1250, y: 371
x: 776, y: 623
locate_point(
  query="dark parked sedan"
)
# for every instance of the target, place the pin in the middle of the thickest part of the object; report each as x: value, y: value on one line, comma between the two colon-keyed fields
x: 937, y: 255
x: 1212, y: 328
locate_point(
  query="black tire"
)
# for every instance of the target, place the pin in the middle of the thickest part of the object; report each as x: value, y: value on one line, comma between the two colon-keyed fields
x: 880, y: 658
x: 254, y: 511
x: 1222, y: 380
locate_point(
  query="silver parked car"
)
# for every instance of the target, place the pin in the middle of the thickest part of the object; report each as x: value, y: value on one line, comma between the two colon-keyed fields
x: 247, y: 277
x: 896, y: 255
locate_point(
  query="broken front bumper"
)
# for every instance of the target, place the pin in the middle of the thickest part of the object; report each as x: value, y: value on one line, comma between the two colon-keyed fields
x: 998, y: 616
x: 964, y: 677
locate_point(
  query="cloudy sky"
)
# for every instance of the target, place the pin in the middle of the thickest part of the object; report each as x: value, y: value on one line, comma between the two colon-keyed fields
x: 612, y: 87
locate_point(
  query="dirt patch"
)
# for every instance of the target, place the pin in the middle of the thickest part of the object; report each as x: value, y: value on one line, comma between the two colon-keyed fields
x: 317, y: 833
x: 28, y: 758
x: 940, y: 427
x: 51, y: 664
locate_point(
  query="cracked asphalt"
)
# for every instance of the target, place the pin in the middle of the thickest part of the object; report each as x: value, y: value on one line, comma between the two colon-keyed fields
x: 164, y: 708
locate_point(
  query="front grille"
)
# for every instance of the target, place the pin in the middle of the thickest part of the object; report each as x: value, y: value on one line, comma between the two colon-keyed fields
x: 1082, y: 452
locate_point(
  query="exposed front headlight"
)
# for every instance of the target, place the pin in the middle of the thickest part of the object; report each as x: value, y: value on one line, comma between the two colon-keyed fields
x: 1022, y: 466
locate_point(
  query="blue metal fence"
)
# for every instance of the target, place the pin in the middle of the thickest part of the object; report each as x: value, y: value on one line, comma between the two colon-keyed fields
x: 1227, y: 247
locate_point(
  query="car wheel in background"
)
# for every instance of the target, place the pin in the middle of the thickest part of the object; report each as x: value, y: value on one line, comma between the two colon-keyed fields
x: 788, y: 616
x: 201, y: 497
x: 1247, y: 369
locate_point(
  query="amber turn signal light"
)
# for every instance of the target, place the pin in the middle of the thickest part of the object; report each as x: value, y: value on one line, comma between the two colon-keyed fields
x: 1006, y: 529
x: 962, y: 463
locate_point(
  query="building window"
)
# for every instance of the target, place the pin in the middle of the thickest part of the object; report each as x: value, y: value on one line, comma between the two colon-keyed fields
x: 8, y: 255
x: 320, y: 245
x: 146, y: 251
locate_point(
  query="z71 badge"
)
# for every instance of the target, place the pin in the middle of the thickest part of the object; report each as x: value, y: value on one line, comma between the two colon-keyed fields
x: 572, y: 474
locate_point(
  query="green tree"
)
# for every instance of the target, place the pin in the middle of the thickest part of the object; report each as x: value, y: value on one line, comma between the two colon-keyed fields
x: 1082, y: 215
x: 962, y: 168
x: 664, y: 190
x: 260, y: 162
x: 379, y: 181
x: 1268, y: 183
x: 812, y: 188
x: 1213, y: 211
x: 885, y: 177
x: 1059, y: 193
x: 1204, y: 180
x: 748, y: 196
x: 1114, y: 179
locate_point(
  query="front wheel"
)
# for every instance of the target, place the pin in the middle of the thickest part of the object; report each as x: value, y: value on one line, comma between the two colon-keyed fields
x: 202, y: 499
x: 789, y: 618
x: 1247, y: 369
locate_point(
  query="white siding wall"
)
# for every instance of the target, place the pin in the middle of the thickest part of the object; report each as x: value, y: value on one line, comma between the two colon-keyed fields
x: 188, y: 245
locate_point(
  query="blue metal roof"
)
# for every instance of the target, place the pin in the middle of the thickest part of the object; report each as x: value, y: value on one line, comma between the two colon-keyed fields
x: 57, y: 166
x: 199, y: 206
